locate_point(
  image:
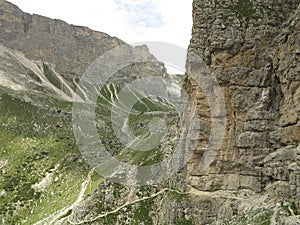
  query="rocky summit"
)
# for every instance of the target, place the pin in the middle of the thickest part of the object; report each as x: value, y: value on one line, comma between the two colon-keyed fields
x: 236, y: 141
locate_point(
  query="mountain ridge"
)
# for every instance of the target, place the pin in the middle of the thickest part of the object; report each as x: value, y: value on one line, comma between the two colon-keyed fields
x: 251, y: 47
x: 70, y: 48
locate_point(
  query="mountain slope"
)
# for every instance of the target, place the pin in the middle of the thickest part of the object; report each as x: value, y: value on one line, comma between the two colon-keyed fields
x: 42, y: 171
x: 70, y: 48
x: 249, y: 49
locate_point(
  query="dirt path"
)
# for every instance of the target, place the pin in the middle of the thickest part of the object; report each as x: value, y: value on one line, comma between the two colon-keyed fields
x: 191, y: 191
x: 126, y: 204
x: 51, y: 219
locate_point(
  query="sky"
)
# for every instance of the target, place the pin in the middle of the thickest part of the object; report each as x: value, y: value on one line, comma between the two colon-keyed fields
x: 130, y: 20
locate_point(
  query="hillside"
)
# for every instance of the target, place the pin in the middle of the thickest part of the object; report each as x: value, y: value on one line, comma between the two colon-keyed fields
x: 80, y: 144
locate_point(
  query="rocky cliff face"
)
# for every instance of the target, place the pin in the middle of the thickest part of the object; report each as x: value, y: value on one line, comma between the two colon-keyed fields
x: 252, y: 48
x: 50, y: 55
x: 44, y: 178
x: 70, y: 48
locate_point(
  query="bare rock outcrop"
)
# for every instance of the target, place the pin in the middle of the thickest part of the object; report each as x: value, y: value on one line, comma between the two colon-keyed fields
x: 70, y: 48
x: 252, y: 48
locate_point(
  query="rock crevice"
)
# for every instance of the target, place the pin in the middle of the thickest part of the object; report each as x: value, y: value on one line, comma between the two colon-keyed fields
x: 252, y: 48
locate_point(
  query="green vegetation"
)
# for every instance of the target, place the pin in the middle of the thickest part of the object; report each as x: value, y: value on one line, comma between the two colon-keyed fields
x: 295, y: 209
x: 33, y: 75
x: 244, y: 9
x: 264, y: 218
x: 140, y: 116
x: 142, y: 213
x: 174, y: 195
x: 185, y: 222
x: 256, y: 217
x: 96, y: 179
x: 292, y: 208
x: 49, y: 74
x: 35, y: 142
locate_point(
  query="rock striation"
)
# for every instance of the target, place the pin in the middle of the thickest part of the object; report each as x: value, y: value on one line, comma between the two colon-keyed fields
x: 48, y: 55
x: 248, y: 48
x: 252, y: 48
x: 70, y: 48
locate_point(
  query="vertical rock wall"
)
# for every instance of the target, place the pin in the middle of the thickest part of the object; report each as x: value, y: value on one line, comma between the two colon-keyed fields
x: 252, y: 48
x: 70, y: 48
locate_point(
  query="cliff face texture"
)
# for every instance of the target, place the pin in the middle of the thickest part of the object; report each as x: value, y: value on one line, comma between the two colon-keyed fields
x: 50, y: 55
x: 252, y: 48
x: 249, y: 49
x: 44, y: 178
x: 70, y: 48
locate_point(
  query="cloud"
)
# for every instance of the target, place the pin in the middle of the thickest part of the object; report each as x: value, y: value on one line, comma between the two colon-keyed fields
x: 141, y: 13
x: 130, y: 20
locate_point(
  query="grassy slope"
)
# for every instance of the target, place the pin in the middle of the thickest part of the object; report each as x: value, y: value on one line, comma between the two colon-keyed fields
x: 38, y: 141
x: 32, y: 142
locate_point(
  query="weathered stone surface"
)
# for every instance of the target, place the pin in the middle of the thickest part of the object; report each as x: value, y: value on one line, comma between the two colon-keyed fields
x: 70, y: 48
x: 253, y: 51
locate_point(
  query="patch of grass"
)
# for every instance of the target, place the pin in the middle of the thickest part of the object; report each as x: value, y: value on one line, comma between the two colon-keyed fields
x: 264, y: 218
x: 185, y: 222
x: 295, y: 209
x: 142, y: 213
x: 36, y: 139
x: 33, y: 141
x: 244, y: 8
x: 49, y: 74
x: 33, y: 75
x: 173, y: 195
x: 96, y: 179
x: 139, y: 118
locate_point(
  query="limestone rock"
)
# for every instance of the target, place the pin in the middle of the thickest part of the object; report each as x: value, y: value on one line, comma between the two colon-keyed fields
x: 252, y: 49
x: 70, y: 48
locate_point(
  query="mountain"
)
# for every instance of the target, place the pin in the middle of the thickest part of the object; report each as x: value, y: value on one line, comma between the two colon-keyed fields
x: 251, y: 50
x: 44, y: 69
x: 70, y: 48
x: 239, y: 129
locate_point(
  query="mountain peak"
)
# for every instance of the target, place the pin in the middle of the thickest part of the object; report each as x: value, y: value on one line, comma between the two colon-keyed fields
x: 70, y: 48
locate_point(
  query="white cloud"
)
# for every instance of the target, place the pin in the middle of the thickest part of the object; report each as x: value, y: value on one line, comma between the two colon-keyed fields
x: 130, y: 20
x: 140, y: 13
